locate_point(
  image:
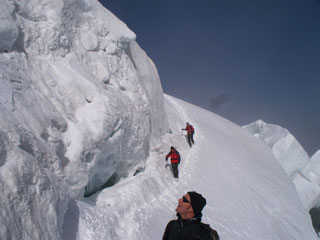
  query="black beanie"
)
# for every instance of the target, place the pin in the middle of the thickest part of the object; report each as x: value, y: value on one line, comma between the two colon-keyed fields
x: 197, y: 202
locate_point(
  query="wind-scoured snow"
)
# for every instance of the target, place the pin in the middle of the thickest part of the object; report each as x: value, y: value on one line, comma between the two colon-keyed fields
x: 85, y: 127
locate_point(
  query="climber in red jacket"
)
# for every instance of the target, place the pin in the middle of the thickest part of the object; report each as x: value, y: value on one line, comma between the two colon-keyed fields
x: 190, y: 131
x: 175, y: 160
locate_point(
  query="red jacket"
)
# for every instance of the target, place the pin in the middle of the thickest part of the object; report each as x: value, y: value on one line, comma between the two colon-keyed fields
x: 175, y: 156
x: 189, y: 129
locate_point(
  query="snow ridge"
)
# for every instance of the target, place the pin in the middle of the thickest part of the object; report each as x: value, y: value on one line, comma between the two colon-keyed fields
x: 285, y: 147
x: 303, y: 171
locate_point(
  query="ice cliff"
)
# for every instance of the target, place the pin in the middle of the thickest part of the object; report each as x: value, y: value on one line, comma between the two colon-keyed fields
x: 307, y: 182
x: 80, y: 106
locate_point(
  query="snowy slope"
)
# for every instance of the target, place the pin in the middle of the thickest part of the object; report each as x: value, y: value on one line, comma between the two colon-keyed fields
x: 249, y: 195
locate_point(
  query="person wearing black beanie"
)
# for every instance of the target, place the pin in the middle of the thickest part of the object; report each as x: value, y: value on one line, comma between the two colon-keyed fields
x: 188, y: 226
x: 197, y: 202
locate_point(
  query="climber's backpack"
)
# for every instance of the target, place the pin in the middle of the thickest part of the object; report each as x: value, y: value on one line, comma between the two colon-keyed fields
x: 208, y: 230
x: 204, y: 229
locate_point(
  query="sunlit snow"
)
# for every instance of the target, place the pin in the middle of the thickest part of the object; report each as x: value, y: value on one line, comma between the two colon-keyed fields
x: 249, y: 194
x: 85, y: 127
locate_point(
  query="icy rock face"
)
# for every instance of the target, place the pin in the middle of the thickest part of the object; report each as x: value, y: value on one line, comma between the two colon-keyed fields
x: 289, y: 153
x: 33, y: 200
x: 80, y: 103
x: 307, y: 182
x: 34, y: 197
x: 8, y: 29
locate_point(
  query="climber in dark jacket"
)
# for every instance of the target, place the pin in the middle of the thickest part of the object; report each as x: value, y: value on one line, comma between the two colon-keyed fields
x: 175, y: 160
x: 190, y: 131
x: 188, y: 226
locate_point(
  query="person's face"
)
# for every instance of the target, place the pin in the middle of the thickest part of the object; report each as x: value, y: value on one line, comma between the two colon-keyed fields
x: 184, y: 205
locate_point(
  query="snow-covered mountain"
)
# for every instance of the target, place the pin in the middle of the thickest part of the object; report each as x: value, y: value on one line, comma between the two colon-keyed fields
x: 84, y: 128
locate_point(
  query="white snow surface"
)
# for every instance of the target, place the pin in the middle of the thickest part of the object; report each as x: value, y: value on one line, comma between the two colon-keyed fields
x: 284, y: 145
x: 82, y: 104
x: 249, y: 195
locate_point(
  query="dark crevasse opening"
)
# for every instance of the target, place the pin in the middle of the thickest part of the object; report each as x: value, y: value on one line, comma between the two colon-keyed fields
x: 109, y: 183
x: 113, y: 180
x: 315, y: 217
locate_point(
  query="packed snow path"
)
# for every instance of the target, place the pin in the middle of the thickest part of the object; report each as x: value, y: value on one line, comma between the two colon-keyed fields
x: 249, y: 195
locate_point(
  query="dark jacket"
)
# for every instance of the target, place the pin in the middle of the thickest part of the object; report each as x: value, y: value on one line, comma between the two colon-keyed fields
x: 185, y: 230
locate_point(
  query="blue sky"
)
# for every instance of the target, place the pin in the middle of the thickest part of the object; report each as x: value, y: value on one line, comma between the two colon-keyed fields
x: 242, y: 59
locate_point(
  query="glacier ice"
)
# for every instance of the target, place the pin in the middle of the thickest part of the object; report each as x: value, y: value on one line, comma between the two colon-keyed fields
x: 285, y: 147
x: 303, y: 171
x: 80, y: 102
x: 307, y: 182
